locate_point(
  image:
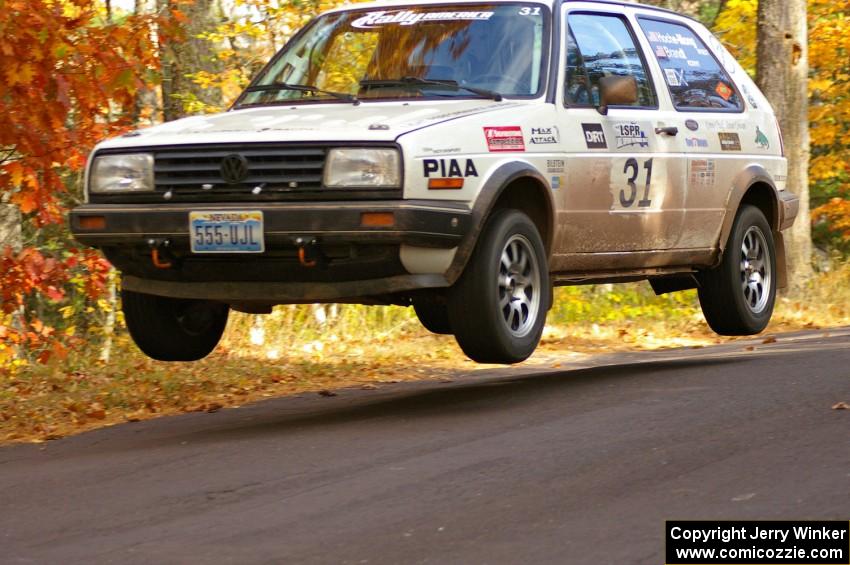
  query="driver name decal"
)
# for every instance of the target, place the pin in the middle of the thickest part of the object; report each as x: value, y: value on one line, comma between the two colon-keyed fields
x: 408, y: 18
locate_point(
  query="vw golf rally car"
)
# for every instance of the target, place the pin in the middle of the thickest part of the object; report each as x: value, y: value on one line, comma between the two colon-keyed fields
x: 460, y: 157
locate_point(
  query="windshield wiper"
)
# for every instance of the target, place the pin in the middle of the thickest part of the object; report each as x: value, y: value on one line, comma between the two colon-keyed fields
x: 416, y: 82
x: 275, y: 86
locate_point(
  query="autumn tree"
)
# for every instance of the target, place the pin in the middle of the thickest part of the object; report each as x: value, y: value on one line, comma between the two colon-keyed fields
x: 782, y: 74
x: 66, y: 78
x: 185, y: 58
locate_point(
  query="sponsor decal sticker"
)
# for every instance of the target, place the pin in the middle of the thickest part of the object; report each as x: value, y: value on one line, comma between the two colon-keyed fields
x: 692, y: 125
x: 544, y: 136
x: 408, y: 18
x: 672, y: 39
x: 692, y: 63
x: 761, y: 139
x: 594, y: 136
x: 729, y: 141
x: 630, y: 135
x: 696, y: 142
x: 557, y: 182
x: 703, y: 172
x: 723, y: 90
x: 504, y: 138
x: 675, y: 77
x: 555, y: 166
x: 445, y: 168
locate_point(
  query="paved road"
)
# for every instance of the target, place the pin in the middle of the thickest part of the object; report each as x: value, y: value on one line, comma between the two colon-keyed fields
x: 580, y: 464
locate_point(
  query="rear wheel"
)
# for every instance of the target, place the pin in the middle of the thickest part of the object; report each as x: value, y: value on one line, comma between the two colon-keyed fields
x: 497, y: 308
x: 737, y: 296
x: 173, y: 329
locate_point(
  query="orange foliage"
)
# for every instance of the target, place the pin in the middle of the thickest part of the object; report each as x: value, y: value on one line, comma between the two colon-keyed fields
x: 67, y: 80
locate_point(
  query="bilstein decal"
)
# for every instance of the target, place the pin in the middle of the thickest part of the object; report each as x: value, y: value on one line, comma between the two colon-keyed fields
x: 594, y: 136
x: 555, y: 165
x: 729, y: 141
x: 408, y: 18
x: 444, y: 168
x: 504, y: 138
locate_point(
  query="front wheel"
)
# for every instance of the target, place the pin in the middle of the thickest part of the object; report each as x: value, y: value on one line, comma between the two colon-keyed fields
x: 498, y: 307
x: 737, y: 296
x: 173, y: 329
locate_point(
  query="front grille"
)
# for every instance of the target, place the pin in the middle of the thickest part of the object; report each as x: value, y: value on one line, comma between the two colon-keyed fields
x: 274, y: 169
x: 274, y: 172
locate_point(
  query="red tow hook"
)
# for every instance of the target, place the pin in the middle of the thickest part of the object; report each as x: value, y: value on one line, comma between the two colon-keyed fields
x: 309, y: 254
x: 158, y: 261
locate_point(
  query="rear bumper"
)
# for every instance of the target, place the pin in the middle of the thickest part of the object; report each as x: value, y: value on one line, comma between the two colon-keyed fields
x: 421, y: 223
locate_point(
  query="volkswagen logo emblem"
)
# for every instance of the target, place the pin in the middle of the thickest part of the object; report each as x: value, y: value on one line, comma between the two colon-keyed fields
x: 234, y: 168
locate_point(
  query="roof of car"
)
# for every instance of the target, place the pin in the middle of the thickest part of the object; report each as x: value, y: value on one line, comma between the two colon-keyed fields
x: 400, y: 3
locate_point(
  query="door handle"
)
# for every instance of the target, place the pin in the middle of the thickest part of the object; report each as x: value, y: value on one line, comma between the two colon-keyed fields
x: 669, y: 130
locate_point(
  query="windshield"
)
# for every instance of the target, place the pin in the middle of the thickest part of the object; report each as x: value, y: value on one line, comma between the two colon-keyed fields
x: 417, y: 52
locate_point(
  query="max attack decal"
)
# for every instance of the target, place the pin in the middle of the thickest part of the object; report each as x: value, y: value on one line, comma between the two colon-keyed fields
x: 408, y: 18
x: 448, y: 168
x: 504, y: 138
x: 729, y: 141
x: 544, y: 136
x: 630, y: 135
x: 594, y: 136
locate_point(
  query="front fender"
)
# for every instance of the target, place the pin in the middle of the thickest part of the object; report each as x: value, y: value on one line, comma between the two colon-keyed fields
x: 487, y: 199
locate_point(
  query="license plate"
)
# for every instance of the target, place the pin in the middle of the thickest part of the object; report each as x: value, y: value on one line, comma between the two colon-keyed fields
x: 226, y: 232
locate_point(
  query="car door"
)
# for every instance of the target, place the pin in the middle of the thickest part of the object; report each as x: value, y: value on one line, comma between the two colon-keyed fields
x: 624, y: 181
x: 714, y: 132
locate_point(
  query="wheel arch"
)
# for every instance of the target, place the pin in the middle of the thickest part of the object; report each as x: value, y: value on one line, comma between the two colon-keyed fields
x: 754, y: 186
x: 514, y: 185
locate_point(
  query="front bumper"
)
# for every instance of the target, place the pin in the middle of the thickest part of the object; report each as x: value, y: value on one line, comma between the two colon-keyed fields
x: 346, y: 258
x: 416, y: 222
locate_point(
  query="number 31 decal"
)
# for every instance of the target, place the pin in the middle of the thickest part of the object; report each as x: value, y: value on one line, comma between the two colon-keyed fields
x: 633, y: 170
x: 527, y: 11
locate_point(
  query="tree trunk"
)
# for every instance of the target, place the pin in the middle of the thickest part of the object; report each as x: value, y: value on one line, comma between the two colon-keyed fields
x: 182, y: 58
x: 782, y: 74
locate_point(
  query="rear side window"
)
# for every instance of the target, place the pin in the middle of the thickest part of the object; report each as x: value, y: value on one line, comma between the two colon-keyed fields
x: 598, y: 46
x: 694, y: 77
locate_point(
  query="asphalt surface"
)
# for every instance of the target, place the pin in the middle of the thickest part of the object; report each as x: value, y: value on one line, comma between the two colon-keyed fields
x: 580, y: 464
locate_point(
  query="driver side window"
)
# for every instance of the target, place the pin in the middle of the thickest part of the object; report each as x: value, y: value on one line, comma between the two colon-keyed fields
x: 599, y: 46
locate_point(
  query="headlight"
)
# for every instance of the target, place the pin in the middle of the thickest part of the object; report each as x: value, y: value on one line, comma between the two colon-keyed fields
x: 363, y: 168
x: 121, y: 173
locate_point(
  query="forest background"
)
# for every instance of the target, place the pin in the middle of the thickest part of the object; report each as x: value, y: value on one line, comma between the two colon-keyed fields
x: 73, y: 72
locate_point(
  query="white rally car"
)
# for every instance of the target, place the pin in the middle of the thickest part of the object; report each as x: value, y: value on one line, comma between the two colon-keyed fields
x: 460, y: 157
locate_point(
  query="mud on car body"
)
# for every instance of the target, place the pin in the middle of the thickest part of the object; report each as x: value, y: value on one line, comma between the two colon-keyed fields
x: 459, y: 157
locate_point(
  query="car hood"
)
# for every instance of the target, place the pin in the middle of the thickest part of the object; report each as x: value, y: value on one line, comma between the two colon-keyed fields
x: 368, y: 121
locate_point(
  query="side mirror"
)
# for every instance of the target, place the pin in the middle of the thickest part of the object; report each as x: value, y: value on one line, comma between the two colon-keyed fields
x: 616, y: 90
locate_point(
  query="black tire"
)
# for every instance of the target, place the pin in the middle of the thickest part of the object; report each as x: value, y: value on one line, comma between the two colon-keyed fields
x: 737, y: 296
x: 434, y: 316
x: 497, y: 312
x: 173, y: 329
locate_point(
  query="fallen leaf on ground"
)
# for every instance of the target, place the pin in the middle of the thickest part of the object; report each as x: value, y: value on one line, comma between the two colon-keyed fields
x: 327, y: 393
x: 841, y: 406
x: 369, y: 387
x: 770, y: 339
x: 749, y: 348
